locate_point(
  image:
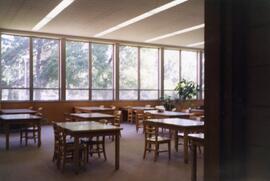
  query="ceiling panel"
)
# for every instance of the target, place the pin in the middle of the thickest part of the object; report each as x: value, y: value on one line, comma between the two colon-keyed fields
x: 24, y: 14
x: 89, y: 17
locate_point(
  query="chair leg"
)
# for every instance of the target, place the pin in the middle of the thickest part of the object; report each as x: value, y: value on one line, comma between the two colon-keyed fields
x: 21, y: 135
x: 26, y: 138
x: 145, y: 148
x: 169, y: 150
x: 156, y: 151
x: 103, y: 148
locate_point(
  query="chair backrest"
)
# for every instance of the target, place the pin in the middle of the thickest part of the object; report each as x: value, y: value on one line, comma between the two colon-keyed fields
x: 130, y: 114
x: 101, y: 106
x: 113, y: 106
x: 139, y: 115
x: 117, y: 117
x: 148, y: 105
x: 150, y: 132
x: 67, y: 117
x: 103, y: 121
x: 39, y: 113
x: 147, y: 115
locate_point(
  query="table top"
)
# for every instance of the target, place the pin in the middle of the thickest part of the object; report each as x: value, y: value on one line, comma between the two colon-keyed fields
x: 169, y: 113
x: 177, y: 122
x: 196, y: 136
x: 16, y: 117
x: 140, y: 108
x: 86, y: 126
x: 95, y: 108
x: 17, y: 111
x: 91, y: 115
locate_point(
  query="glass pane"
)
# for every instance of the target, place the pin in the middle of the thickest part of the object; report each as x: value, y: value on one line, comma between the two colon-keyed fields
x: 102, y: 94
x: 149, y: 95
x: 14, y: 62
x: 171, y: 69
x: 149, y: 68
x: 45, y: 68
x: 128, y: 67
x: 77, y: 94
x: 45, y: 63
x: 48, y: 94
x: 102, y: 66
x: 15, y: 94
x: 171, y: 94
x: 77, y: 65
x: 189, y: 65
x: 128, y: 95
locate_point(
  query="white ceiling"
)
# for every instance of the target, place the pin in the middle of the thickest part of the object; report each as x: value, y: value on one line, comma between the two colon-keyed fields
x: 89, y: 17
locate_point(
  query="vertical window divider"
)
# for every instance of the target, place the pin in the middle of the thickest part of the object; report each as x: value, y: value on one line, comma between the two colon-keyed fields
x: 90, y: 72
x: 139, y: 73
x: 200, y: 74
x: 116, y: 71
x: 180, y: 63
x: 31, y: 76
x: 62, y: 72
x: 161, y: 73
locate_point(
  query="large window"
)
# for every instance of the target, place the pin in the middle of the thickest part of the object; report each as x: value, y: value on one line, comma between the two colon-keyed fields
x: 189, y: 60
x: 15, y: 67
x: 128, y: 73
x: 171, y: 72
x: 45, y: 69
x: 102, y: 72
x: 149, y: 73
x: 77, y: 71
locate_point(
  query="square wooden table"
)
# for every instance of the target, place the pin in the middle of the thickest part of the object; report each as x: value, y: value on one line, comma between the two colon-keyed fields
x: 84, y: 129
x: 177, y: 124
x: 20, y: 119
x: 196, y: 140
x: 17, y: 111
x: 168, y: 114
x: 93, y: 109
x: 92, y: 116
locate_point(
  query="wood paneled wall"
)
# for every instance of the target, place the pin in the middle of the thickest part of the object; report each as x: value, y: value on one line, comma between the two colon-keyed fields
x: 54, y: 111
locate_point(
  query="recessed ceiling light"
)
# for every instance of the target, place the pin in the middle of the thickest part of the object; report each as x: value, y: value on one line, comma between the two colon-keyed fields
x: 176, y: 33
x: 58, y: 9
x: 141, y: 17
x: 196, y: 44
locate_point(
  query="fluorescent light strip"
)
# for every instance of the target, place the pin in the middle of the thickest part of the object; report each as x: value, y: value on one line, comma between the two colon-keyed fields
x: 196, y: 44
x: 176, y: 33
x: 141, y: 17
x: 58, y: 9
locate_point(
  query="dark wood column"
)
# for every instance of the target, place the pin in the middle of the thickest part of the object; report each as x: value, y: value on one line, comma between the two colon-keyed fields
x: 237, y: 71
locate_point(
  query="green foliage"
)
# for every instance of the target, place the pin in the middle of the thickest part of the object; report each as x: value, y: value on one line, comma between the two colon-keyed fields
x: 187, y: 89
x: 167, y: 102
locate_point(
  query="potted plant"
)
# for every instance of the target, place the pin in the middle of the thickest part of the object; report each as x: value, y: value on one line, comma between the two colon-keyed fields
x: 187, y: 90
x: 167, y: 103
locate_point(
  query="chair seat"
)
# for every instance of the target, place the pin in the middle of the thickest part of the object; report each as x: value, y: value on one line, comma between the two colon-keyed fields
x: 159, y: 139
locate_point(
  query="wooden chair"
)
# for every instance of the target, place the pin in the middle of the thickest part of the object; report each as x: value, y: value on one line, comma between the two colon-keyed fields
x: 96, y: 145
x: 130, y: 115
x: 31, y: 131
x: 64, y: 150
x: 139, y: 118
x: 152, y: 138
x: 113, y: 107
x: 117, y: 118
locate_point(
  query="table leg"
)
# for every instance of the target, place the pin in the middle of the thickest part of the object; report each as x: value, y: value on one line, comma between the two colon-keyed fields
x: 194, y: 163
x: 39, y: 134
x: 117, y: 150
x: 7, y: 135
x: 76, y: 158
x: 185, y: 146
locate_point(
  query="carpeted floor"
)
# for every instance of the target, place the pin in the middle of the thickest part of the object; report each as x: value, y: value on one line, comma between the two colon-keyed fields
x: 34, y: 164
